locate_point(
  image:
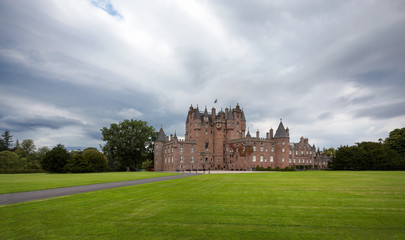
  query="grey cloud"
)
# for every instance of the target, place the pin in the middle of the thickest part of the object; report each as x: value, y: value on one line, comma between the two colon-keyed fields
x: 18, y: 123
x: 385, y: 111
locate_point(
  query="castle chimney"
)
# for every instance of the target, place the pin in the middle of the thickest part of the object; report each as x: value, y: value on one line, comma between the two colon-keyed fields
x: 288, y: 131
x: 257, y: 133
x: 267, y: 135
x: 271, y: 133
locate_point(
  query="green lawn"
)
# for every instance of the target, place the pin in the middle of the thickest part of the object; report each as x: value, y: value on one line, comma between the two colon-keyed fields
x: 36, y: 181
x: 276, y: 205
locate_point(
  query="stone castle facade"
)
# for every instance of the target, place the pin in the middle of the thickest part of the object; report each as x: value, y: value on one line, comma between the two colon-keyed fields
x: 219, y: 141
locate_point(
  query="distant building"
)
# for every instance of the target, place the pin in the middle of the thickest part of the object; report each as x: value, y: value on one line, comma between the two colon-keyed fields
x: 217, y: 141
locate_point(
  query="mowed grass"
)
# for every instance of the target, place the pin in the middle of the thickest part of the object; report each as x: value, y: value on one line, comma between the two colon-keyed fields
x: 278, y: 205
x: 10, y: 183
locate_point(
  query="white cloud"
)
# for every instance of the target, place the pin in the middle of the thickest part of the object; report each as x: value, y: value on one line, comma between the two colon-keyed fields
x: 130, y: 113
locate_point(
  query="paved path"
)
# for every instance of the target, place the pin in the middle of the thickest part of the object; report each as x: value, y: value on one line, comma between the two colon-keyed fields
x: 10, y: 198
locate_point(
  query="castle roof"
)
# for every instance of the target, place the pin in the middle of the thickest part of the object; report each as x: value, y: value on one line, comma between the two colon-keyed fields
x: 281, y: 132
x: 206, y: 112
x: 243, y: 116
x: 230, y: 115
x: 197, y: 114
x: 161, y: 137
x: 248, y: 134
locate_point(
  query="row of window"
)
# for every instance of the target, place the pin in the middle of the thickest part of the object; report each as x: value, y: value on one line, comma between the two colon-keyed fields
x: 302, y: 152
x: 168, y: 150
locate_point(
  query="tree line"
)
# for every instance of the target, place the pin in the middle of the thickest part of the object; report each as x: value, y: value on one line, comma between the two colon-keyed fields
x: 383, y: 155
x: 129, y: 146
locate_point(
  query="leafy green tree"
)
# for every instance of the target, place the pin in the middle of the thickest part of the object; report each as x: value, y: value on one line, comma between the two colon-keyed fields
x: 130, y: 142
x: 76, y: 164
x: 396, y: 140
x: 56, y: 159
x: 28, y: 146
x: 6, y: 141
x: 42, y: 151
x: 96, y: 160
x: 11, y: 161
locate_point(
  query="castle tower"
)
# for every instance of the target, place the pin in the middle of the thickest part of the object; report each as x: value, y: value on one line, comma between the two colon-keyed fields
x: 282, y: 143
x: 159, y: 152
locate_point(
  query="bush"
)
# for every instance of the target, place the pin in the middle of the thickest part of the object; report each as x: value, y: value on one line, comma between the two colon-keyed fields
x: 146, y: 164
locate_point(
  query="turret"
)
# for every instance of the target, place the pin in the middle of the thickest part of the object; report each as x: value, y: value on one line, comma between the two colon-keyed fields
x: 158, y: 153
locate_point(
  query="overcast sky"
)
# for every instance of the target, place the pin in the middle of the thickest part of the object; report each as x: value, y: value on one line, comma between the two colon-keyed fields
x: 334, y: 71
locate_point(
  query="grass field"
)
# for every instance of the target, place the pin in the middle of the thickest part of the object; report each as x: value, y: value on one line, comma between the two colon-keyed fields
x: 10, y: 183
x: 278, y: 205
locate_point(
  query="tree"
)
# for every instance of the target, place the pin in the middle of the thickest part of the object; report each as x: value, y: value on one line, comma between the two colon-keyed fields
x: 56, y: 159
x: 76, y: 164
x: 97, y: 161
x: 6, y: 141
x: 42, y: 151
x: 130, y: 142
x: 28, y: 146
x: 396, y: 140
x: 11, y: 161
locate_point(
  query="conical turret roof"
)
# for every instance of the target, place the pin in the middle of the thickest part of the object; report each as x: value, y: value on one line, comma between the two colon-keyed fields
x: 281, y: 132
x: 197, y: 114
x: 161, y: 137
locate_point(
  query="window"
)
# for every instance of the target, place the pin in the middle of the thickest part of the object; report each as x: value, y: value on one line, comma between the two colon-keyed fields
x: 272, y: 149
x: 261, y: 158
x: 192, y: 149
x: 181, y: 158
x: 206, y: 146
x: 289, y: 160
x: 266, y: 149
x: 296, y: 152
x: 181, y: 148
x: 302, y: 152
x: 254, y: 158
x: 192, y: 158
x: 172, y: 149
x: 283, y: 150
x: 172, y: 158
x: 254, y: 148
x: 294, y: 160
x: 282, y: 159
x: 271, y: 158
x: 283, y: 142
x: 261, y: 148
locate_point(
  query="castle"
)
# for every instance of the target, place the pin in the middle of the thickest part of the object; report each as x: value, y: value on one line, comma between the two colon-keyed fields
x: 220, y: 142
